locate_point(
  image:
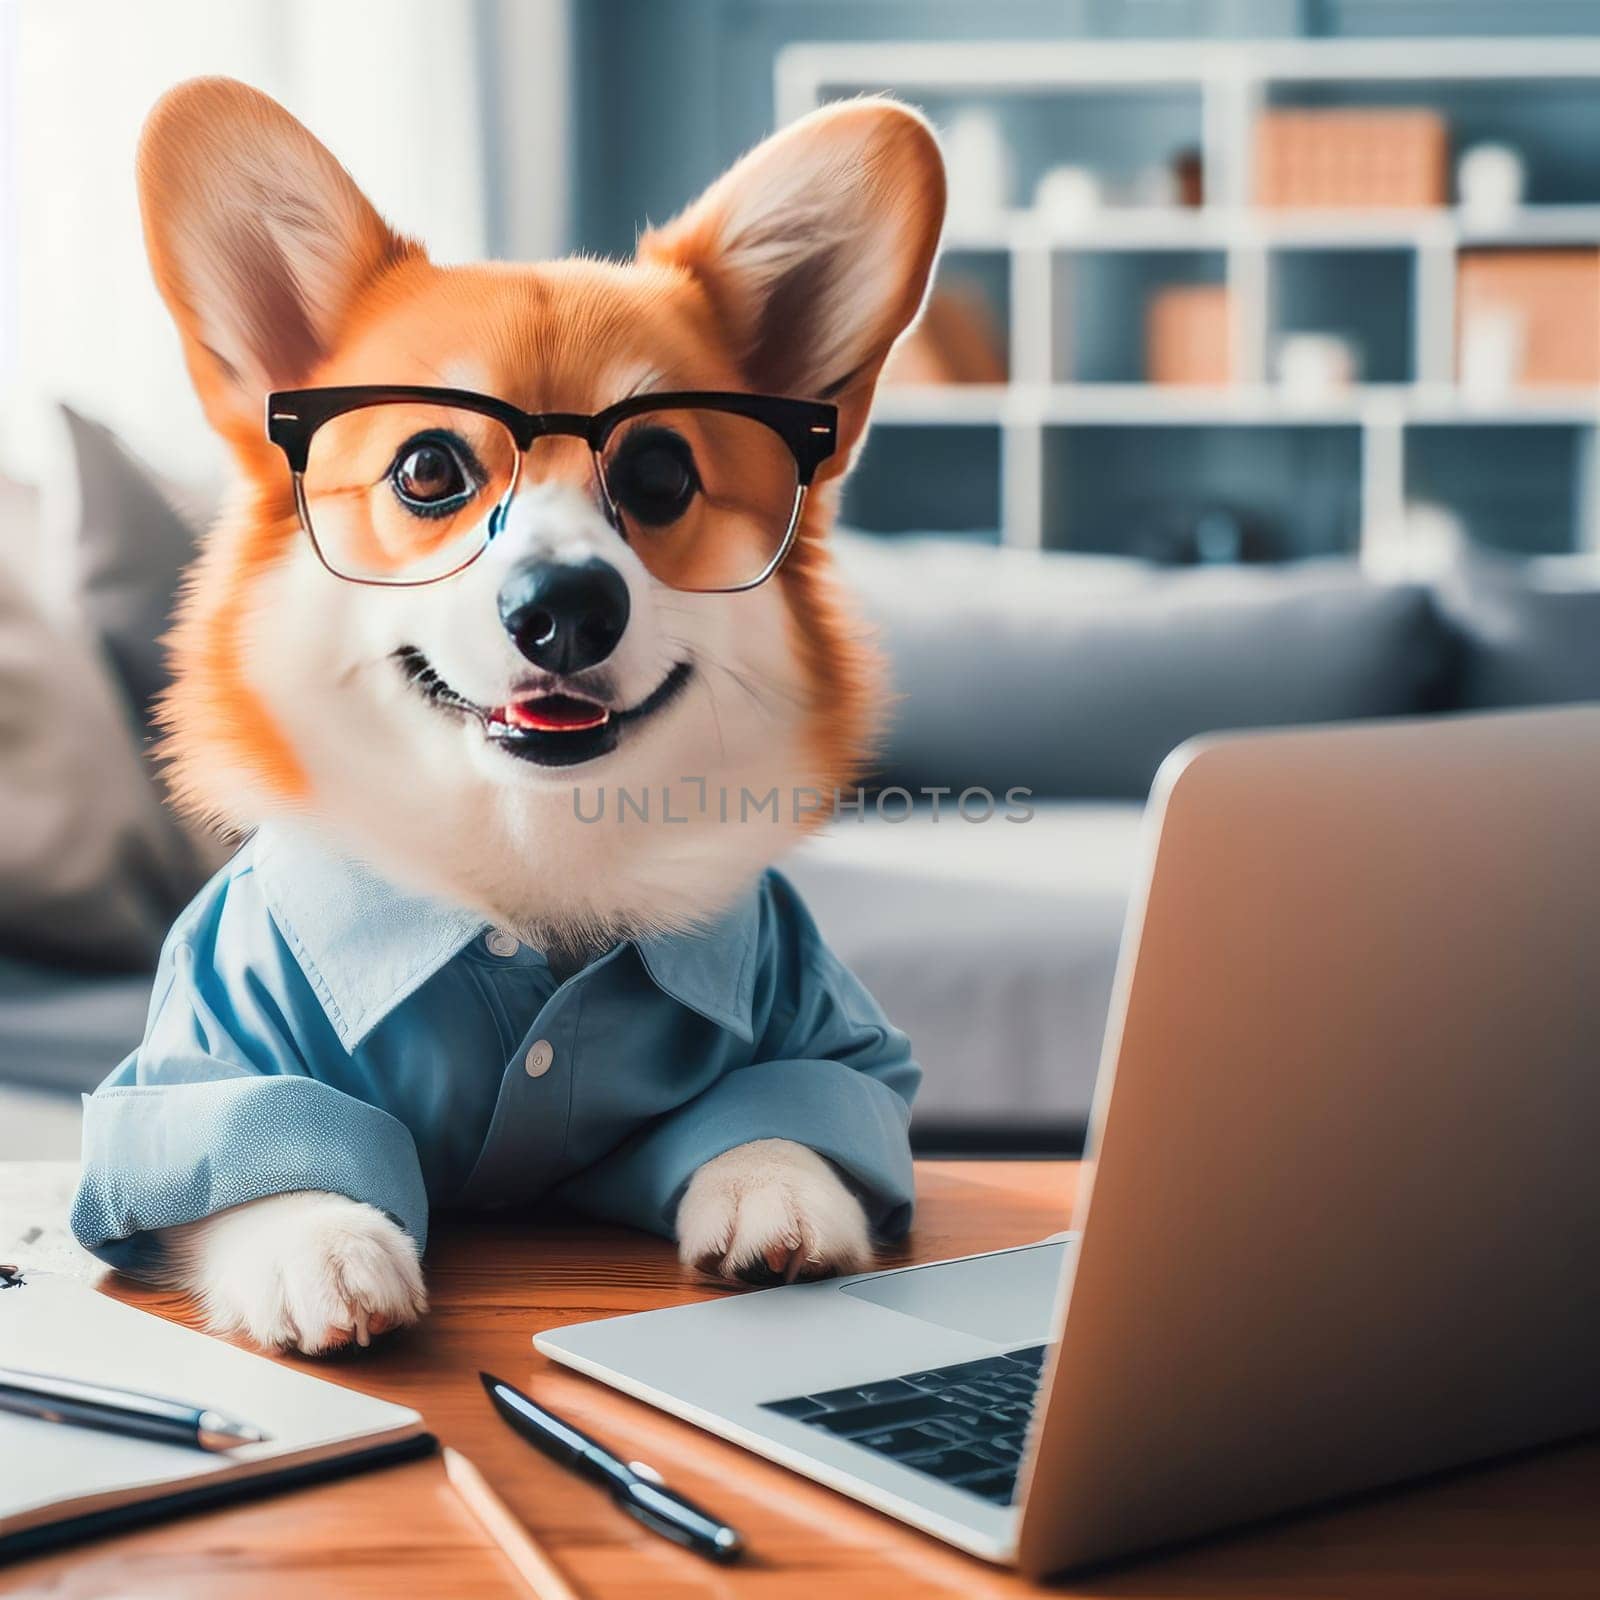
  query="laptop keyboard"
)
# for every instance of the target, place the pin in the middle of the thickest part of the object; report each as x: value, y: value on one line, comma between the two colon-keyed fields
x: 964, y: 1424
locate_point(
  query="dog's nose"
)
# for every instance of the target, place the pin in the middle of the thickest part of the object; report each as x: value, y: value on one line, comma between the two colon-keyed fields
x: 565, y: 616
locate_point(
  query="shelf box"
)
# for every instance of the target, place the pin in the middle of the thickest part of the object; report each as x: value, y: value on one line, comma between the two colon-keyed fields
x: 1206, y: 491
x: 1536, y: 311
x: 1360, y: 156
x: 1553, y: 122
x: 1188, y: 336
x: 927, y: 479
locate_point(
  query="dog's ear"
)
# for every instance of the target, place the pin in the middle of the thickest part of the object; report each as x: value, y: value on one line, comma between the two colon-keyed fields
x: 259, y: 240
x: 815, y: 251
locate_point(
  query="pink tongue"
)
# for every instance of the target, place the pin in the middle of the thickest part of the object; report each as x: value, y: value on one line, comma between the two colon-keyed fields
x: 556, y: 713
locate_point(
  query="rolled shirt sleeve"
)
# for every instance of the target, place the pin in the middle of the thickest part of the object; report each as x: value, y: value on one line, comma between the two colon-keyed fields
x: 829, y: 1072
x: 217, y: 1106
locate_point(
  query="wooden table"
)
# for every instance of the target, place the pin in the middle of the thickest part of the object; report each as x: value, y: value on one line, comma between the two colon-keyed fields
x: 1508, y: 1533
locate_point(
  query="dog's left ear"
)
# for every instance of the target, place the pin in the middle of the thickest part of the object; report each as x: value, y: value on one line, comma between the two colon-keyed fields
x: 260, y: 242
x: 815, y: 252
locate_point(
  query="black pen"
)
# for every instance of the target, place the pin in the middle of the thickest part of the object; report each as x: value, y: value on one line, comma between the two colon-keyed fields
x: 97, y: 1405
x: 634, y: 1486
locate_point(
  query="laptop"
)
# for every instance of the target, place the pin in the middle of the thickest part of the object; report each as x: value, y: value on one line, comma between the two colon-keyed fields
x: 1340, y: 1215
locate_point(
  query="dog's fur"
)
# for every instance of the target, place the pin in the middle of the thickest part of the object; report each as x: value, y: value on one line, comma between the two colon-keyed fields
x: 794, y: 274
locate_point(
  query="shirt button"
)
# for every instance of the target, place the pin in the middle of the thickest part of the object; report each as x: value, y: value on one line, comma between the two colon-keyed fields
x: 501, y: 943
x: 540, y: 1059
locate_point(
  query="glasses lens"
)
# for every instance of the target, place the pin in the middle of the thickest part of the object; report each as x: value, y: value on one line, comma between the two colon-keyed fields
x: 403, y: 492
x: 706, y: 498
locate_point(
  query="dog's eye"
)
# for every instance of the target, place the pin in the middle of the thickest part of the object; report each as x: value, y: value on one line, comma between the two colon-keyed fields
x: 428, y: 473
x: 652, y: 477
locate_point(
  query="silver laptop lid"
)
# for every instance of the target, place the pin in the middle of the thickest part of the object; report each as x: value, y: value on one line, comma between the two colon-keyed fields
x: 1344, y: 1208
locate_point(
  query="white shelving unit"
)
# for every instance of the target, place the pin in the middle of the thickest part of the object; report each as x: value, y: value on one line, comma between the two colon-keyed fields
x: 1231, y: 83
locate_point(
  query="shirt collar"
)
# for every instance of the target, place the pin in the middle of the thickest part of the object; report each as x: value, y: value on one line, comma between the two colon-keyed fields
x: 366, y: 945
x: 712, y: 970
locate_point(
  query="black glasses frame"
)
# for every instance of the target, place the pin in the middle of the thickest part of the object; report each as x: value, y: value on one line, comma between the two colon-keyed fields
x: 810, y: 428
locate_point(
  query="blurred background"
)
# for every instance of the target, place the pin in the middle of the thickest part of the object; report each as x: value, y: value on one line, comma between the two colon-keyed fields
x: 1260, y: 384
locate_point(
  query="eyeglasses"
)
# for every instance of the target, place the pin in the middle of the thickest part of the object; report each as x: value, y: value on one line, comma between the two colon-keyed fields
x: 407, y: 485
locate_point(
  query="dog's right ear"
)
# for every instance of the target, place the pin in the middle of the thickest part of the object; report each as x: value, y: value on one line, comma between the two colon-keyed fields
x: 259, y: 240
x: 815, y: 252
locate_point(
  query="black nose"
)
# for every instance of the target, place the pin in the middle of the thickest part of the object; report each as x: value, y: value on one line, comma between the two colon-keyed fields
x: 565, y: 616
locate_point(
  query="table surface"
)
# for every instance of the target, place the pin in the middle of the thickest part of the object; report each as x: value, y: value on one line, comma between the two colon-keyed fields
x: 1521, y: 1530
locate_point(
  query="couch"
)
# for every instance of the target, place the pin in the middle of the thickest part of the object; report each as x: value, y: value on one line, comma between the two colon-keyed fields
x: 1054, y: 683
x: 996, y: 943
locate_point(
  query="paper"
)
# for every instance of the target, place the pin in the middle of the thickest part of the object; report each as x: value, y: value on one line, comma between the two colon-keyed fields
x: 50, y: 1471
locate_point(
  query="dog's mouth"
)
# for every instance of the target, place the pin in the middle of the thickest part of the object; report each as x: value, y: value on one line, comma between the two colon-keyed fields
x: 547, y: 713
x: 551, y: 728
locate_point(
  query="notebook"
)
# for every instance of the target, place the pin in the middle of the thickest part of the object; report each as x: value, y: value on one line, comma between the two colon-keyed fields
x: 60, y: 1483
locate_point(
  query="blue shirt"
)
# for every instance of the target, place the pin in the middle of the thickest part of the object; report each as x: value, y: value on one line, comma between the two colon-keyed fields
x: 315, y: 1027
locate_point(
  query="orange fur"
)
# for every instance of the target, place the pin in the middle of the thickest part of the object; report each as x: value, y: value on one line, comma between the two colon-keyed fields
x: 214, y: 721
x: 842, y: 661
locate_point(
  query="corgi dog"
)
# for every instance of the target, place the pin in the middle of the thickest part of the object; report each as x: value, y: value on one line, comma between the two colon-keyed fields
x: 442, y: 658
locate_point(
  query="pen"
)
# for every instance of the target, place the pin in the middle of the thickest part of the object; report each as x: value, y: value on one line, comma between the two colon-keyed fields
x: 635, y: 1487
x: 147, y: 1416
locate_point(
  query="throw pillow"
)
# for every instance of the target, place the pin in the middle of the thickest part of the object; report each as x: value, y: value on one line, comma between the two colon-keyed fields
x: 92, y: 867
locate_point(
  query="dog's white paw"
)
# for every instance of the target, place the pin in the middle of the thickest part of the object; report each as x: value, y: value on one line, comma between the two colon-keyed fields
x: 306, y: 1271
x: 770, y: 1212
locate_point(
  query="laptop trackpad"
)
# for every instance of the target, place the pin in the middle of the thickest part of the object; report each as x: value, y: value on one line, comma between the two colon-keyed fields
x: 1009, y: 1296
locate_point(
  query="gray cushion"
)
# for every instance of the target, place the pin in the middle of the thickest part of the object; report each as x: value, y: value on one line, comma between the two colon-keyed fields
x: 1076, y: 677
x: 993, y: 944
x: 118, y: 537
x: 92, y: 868
x: 1528, y: 632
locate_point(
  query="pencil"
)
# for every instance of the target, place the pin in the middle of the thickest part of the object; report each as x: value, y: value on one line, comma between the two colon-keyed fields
x: 537, y: 1570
